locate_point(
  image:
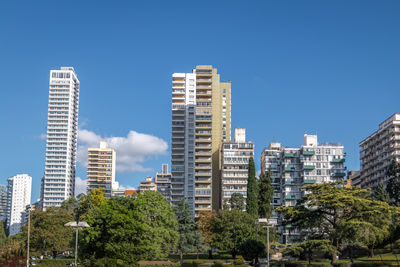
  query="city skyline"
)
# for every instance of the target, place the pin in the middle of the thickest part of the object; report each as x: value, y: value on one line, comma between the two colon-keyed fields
x: 300, y: 79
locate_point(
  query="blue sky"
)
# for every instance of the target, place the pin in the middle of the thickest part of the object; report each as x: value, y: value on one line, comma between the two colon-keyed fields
x: 325, y: 67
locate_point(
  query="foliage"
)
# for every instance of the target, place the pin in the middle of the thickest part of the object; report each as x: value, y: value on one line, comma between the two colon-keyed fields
x: 252, y: 190
x: 381, y: 194
x: 329, y: 211
x: 305, y: 250
x: 252, y: 250
x: 237, y: 201
x: 265, y: 195
x: 204, y: 226
x: 231, y: 228
x: 48, y: 232
x: 93, y: 200
x: 130, y: 229
x: 188, y: 239
x: 3, y: 236
x: 393, y: 186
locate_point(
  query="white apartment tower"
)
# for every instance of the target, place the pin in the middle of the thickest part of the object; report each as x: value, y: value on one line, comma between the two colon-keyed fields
x: 201, y: 121
x: 235, y: 166
x: 292, y: 168
x: 101, y: 169
x: 19, y: 196
x: 378, y: 151
x: 58, y: 183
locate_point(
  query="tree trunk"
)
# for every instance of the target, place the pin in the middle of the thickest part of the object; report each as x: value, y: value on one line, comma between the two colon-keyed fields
x: 54, y: 254
x: 233, y: 254
x: 371, y: 252
x: 210, y: 255
x: 334, y: 258
x: 181, y: 257
x: 351, y: 254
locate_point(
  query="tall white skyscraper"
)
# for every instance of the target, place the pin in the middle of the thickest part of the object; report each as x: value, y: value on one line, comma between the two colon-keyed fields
x: 58, y: 183
x: 19, y: 196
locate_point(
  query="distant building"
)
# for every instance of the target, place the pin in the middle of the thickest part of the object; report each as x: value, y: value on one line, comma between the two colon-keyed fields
x: 148, y: 185
x: 58, y: 183
x: 378, y: 151
x: 3, y: 202
x: 101, y: 169
x: 19, y: 196
x: 131, y: 193
x: 118, y: 192
x: 353, y: 179
x: 292, y: 168
x: 235, y: 166
x: 163, y: 182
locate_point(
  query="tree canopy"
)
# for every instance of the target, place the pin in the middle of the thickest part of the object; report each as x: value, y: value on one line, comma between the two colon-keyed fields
x: 130, y: 229
x: 265, y: 195
x: 393, y: 185
x: 237, y: 201
x: 328, y: 211
x: 252, y: 190
x: 231, y: 228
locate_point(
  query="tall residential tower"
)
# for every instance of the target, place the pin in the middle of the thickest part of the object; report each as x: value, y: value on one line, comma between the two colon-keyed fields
x: 58, y: 183
x: 201, y: 121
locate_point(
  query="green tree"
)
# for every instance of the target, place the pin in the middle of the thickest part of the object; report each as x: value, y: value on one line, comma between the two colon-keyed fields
x: 252, y: 249
x: 265, y: 195
x: 231, y: 228
x: 381, y: 194
x: 3, y: 236
x: 237, y: 201
x: 48, y: 232
x: 188, y: 239
x: 329, y: 210
x: 305, y: 250
x: 393, y: 185
x: 85, y: 203
x: 252, y: 190
x: 130, y: 229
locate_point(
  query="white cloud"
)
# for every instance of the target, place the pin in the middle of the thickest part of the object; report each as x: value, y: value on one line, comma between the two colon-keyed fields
x: 127, y: 187
x: 131, y: 151
x: 80, y: 186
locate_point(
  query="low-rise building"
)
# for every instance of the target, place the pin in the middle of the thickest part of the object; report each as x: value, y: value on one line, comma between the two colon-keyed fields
x: 148, y: 185
x: 163, y: 182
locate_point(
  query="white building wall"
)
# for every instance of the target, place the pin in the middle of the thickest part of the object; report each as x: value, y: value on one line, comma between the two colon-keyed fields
x: 62, y: 126
x: 19, y: 196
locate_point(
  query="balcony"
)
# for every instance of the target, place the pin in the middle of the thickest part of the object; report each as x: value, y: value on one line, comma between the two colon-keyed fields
x: 338, y: 160
x: 339, y: 174
x: 289, y: 155
x: 309, y: 181
x: 308, y: 153
x: 290, y: 197
x: 289, y: 169
x: 308, y: 167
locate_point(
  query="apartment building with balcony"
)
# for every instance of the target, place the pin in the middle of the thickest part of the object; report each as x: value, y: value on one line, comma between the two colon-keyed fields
x: 147, y: 185
x: 58, y: 183
x: 292, y: 168
x: 235, y: 166
x: 101, y: 169
x: 18, y: 197
x: 163, y: 182
x: 378, y: 150
x: 201, y: 121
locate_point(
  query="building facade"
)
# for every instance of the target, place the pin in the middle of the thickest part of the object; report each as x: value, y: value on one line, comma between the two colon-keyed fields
x: 201, y: 121
x: 147, y: 185
x: 235, y: 166
x: 101, y: 169
x: 58, y: 183
x: 378, y: 151
x: 292, y: 168
x: 163, y: 182
x: 3, y: 202
x: 19, y: 196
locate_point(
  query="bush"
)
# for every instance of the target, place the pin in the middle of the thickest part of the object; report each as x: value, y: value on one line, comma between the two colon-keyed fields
x: 252, y: 249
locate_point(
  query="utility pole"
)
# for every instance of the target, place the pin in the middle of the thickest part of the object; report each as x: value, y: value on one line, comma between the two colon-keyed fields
x: 29, y: 232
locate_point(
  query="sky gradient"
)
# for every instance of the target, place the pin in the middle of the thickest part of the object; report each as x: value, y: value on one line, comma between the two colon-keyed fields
x: 320, y: 67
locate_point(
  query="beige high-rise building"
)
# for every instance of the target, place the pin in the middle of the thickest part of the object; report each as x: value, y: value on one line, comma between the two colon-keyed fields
x: 101, y: 169
x: 201, y: 121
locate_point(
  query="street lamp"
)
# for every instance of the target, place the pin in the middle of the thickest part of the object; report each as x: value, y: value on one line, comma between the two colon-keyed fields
x: 29, y: 233
x: 77, y: 226
x: 268, y: 223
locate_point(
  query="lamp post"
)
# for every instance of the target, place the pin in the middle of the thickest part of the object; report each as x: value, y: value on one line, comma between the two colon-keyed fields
x: 268, y: 223
x: 29, y: 233
x: 77, y: 226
